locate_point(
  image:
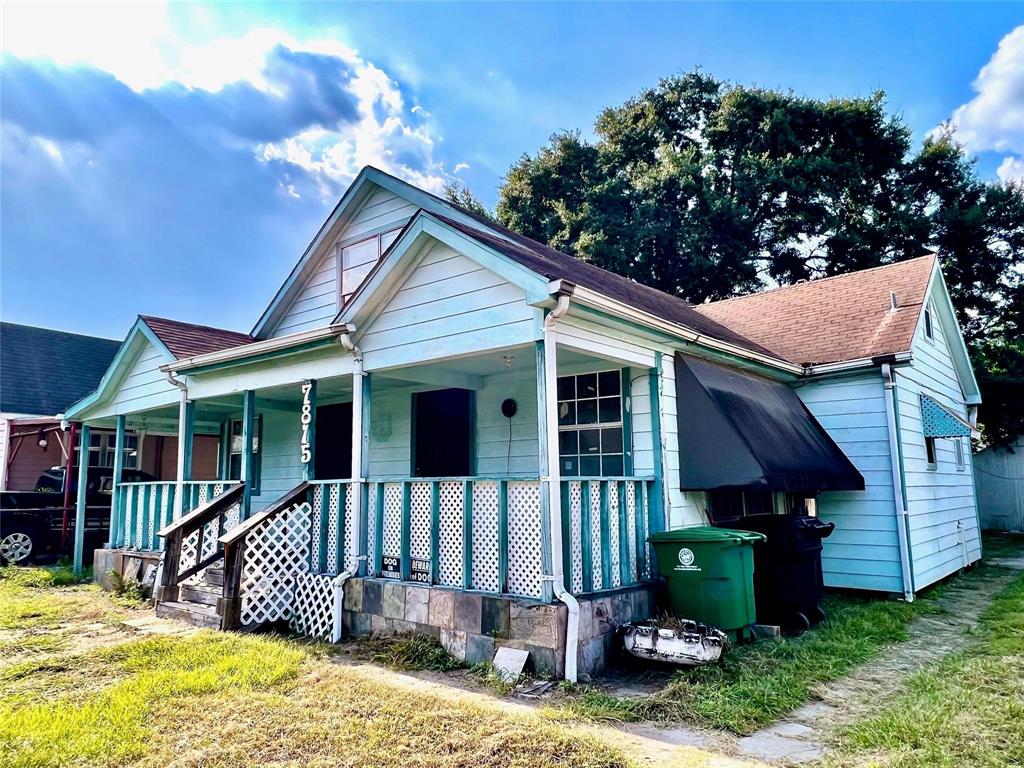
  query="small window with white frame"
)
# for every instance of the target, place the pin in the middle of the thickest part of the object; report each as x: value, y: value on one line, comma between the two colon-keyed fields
x: 103, y: 448
x: 958, y: 446
x: 931, y: 455
x: 590, y: 424
x: 359, y: 258
x: 929, y: 323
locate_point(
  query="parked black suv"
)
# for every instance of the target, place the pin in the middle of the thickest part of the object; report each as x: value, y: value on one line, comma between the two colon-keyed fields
x: 31, y: 521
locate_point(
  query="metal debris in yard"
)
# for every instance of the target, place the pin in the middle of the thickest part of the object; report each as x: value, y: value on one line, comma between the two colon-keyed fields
x: 535, y: 689
x: 688, y: 643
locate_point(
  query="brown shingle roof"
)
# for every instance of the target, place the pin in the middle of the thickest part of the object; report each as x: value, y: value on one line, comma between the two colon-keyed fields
x: 555, y: 265
x: 833, y: 319
x: 188, y: 340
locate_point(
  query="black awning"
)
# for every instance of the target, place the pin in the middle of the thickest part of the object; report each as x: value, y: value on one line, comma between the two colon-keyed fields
x: 738, y: 430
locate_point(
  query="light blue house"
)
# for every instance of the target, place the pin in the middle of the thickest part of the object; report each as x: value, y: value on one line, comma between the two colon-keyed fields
x: 438, y: 425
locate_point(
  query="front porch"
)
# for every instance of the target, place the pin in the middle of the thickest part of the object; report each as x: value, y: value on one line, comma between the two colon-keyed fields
x: 502, y: 554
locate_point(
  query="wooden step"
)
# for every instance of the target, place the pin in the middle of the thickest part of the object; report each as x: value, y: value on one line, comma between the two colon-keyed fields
x: 196, y: 614
x: 214, y: 576
x: 200, y: 593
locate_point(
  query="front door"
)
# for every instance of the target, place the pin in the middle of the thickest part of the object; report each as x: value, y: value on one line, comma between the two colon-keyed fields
x: 443, y: 433
x: 333, y: 450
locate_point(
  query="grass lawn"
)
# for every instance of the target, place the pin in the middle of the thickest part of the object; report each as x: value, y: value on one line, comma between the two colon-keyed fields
x: 757, y: 684
x: 966, y: 711
x: 215, y: 699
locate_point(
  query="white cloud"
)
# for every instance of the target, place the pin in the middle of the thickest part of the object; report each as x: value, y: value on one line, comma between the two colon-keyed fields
x: 1011, y: 169
x: 140, y: 45
x: 461, y: 167
x: 994, y: 119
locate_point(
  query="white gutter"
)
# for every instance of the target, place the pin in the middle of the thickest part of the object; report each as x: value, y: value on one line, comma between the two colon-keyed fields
x: 257, y: 347
x: 572, y: 621
x: 612, y: 306
x: 861, y: 362
x: 902, y: 513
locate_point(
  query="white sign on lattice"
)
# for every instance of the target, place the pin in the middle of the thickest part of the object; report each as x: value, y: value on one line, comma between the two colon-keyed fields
x: 313, y: 607
x: 276, y: 552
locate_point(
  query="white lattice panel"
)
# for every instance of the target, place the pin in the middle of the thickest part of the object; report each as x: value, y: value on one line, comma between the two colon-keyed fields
x: 595, y: 535
x: 334, y: 521
x: 139, y: 517
x: 313, y: 606
x: 631, y: 527
x: 613, y: 534
x: 419, y: 521
x: 316, y: 511
x: 371, y: 522
x: 450, y: 544
x: 152, y: 521
x: 276, y: 552
x: 524, y: 538
x: 392, y: 534
x: 351, y: 523
x: 575, y: 534
x: 485, y: 536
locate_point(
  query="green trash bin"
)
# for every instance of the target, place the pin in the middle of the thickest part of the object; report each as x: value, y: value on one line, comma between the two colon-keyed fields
x: 710, y: 574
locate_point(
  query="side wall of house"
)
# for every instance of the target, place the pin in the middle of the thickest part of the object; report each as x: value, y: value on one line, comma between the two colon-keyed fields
x: 999, y: 483
x: 316, y: 303
x: 863, y: 551
x: 144, y: 385
x: 944, y: 529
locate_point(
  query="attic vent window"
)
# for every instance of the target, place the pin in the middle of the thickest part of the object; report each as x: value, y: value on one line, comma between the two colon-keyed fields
x: 359, y: 258
x: 929, y: 330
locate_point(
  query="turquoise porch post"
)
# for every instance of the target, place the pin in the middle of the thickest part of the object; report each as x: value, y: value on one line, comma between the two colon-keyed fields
x: 80, y: 499
x: 550, y: 476
x: 657, y: 518
x: 115, y: 504
x: 186, y: 429
x: 361, y: 389
x: 248, y: 463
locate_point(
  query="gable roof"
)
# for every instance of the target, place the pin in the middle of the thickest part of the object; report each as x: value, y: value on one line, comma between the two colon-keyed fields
x: 188, y: 339
x: 43, y: 371
x: 834, y: 319
x: 555, y: 265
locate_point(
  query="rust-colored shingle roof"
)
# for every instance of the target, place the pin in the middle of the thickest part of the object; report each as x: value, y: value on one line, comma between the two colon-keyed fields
x: 833, y: 319
x: 188, y: 340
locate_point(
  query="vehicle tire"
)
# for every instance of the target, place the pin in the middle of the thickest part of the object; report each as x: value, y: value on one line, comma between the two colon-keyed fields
x: 19, y: 544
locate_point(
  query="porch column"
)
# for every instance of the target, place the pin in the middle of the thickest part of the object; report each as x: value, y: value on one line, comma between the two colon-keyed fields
x: 186, y: 428
x: 360, y: 458
x: 248, y: 430
x: 656, y: 504
x: 307, y: 421
x: 80, y: 499
x: 550, y: 472
x: 115, y: 487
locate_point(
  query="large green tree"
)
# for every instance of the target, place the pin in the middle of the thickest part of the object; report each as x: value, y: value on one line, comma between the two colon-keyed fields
x: 708, y: 190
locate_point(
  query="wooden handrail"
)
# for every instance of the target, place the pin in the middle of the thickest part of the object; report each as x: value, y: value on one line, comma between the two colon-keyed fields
x: 283, y: 503
x: 203, y: 514
x: 234, y: 542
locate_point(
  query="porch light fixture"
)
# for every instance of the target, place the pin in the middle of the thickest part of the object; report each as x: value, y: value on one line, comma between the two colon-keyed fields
x: 508, y: 360
x: 41, y: 440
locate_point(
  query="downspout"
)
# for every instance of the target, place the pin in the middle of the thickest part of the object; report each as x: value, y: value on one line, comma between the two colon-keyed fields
x: 338, y: 583
x: 572, y: 621
x: 896, y: 456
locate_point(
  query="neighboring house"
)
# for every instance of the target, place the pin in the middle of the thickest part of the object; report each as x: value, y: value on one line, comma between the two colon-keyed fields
x: 42, y: 372
x: 999, y: 479
x: 470, y: 434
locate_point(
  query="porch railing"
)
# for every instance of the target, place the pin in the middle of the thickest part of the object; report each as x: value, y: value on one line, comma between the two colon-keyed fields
x: 604, y: 532
x: 142, y: 509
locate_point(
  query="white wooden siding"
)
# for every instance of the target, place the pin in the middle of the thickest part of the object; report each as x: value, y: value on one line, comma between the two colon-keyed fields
x: 448, y: 306
x: 863, y: 551
x: 944, y: 530
x: 280, y: 467
x: 315, y: 303
x: 144, y: 386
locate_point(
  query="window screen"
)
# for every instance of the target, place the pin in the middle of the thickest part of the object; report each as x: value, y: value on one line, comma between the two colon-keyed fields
x: 590, y: 424
x: 359, y: 258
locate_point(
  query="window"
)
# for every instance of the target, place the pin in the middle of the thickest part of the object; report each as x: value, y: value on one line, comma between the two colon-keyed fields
x: 929, y: 331
x: 727, y: 504
x: 958, y: 446
x: 929, y: 449
x: 590, y: 440
x: 235, y: 452
x: 103, y: 447
x: 358, y: 259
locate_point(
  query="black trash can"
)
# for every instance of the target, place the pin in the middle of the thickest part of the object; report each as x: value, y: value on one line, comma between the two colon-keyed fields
x: 788, y: 581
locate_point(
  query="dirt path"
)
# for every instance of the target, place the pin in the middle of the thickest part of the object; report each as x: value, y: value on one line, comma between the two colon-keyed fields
x: 806, y: 733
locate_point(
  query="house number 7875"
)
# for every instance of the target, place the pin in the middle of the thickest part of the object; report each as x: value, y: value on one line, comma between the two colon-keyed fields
x: 305, y: 420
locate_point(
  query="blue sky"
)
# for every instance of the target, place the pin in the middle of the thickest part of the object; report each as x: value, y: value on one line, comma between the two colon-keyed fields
x: 175, y: 160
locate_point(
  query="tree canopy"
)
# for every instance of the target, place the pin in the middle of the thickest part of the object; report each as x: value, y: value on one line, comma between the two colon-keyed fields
x: 708, y: 190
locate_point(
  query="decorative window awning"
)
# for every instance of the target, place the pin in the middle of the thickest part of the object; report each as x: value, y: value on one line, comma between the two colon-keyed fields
x: 746, y: 432
x: 939, y: 421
